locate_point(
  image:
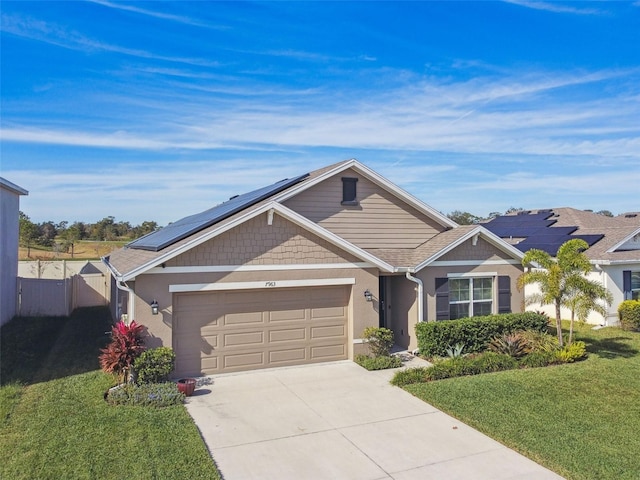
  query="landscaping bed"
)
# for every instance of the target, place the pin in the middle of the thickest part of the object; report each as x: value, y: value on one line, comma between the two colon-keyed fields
x: 56, y: 424
x: 580, y: 420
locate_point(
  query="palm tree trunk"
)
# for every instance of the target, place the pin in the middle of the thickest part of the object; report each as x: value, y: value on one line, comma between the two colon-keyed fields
x: 559, y: 324
x: 571, y: 328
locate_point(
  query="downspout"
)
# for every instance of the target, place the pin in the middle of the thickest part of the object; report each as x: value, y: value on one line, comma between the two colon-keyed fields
x: 130, y: 299
x: 122, y: 286
x: 420, y: 295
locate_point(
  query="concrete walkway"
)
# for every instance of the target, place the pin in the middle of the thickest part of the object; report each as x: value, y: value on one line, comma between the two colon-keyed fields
x: 338, y: 421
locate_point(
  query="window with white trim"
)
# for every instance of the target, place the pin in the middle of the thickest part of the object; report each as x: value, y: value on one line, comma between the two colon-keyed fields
x: 470, y: 297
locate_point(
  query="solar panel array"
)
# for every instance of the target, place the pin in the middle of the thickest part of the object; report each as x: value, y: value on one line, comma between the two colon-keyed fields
x: 174, y: 232
x: 537, y: 230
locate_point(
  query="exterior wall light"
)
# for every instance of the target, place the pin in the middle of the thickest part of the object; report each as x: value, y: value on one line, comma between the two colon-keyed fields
x: 154, y: 307
x: 368, y: 296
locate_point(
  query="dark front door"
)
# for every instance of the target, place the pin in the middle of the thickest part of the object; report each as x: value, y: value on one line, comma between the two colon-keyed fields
x: 382, y: 300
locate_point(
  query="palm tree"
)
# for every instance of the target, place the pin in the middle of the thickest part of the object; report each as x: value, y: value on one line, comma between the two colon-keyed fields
x: 562, y: 278
x: 592, y: 296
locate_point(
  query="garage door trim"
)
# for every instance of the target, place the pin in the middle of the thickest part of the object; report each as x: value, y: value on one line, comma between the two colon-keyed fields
x: 266, y: 284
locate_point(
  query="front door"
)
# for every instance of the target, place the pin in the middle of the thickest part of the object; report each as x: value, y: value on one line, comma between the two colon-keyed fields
x: 382, y: 307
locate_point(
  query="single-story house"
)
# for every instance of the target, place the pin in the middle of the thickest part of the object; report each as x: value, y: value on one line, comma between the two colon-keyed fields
x: 614, y: 248
x: 10, y: 194
x: 293, y: 272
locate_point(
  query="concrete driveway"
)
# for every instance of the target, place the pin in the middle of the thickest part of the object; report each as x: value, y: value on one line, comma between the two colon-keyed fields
x: 339, y: 421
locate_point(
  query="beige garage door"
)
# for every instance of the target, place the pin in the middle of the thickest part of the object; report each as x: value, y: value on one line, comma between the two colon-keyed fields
x: 230, y: 331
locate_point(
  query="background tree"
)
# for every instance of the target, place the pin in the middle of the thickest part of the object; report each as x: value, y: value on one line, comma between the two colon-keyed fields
x: 559, y: 278
x: 463, y: 218
x: 28, y: 232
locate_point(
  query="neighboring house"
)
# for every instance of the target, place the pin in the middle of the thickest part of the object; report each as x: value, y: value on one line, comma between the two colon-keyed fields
x: 292, y: 273
x: 9, y: 235
x: 614, y: 248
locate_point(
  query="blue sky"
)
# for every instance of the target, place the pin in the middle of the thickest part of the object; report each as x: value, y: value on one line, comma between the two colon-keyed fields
x: 157, y: 110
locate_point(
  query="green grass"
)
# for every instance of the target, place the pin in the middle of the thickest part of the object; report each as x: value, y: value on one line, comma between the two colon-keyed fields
x: 55, y: 423
x: 581, y: 420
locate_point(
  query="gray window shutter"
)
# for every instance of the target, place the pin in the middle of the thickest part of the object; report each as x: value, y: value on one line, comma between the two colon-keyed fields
x: 626, y: 284
x: 442, y: 299
x: 504, y: 294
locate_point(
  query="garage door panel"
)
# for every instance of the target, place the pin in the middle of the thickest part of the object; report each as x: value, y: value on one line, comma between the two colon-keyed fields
x: 243, y: 339
x: 288, y: 335
x: 327, y: 351
x: 244, y: 360
x: 286, y: 356
x: 232, y: 331
x: 287, y: 315
x: 250, y: 318
x: 329, y: 331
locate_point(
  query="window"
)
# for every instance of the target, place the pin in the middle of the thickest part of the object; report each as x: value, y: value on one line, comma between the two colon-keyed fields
x: 349, y: 192
x: 631, y: 285
x: 470, y: 297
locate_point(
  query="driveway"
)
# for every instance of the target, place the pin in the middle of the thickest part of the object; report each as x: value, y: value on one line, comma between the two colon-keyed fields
x: 339, y: 421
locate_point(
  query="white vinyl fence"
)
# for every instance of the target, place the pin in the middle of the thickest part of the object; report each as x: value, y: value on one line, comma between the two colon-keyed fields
x: 58, y: 287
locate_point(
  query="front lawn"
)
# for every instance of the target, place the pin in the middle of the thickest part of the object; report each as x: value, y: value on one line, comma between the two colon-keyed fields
x: 581, y: 420
x: 54, y: 422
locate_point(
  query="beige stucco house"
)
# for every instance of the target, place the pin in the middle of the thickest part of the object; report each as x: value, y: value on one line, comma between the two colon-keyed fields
x: 10, y: 194
x: 294, y: 272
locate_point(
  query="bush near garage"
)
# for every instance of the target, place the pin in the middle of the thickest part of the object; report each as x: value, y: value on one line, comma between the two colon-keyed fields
x: 474, y: 333
x: 629, y: 314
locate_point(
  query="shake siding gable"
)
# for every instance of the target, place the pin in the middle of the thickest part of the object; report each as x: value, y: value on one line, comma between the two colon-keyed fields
x: 379, y: 220
x: 482, y: 250
x: 257, y: 243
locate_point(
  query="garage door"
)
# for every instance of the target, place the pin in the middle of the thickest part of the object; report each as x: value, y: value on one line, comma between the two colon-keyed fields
x: 229, y: 331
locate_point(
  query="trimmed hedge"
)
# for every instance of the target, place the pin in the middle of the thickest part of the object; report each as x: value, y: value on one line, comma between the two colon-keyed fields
x: 474, y: 333
x: 629, y: 313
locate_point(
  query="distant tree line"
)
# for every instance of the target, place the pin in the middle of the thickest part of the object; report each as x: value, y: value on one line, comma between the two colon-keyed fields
x: 63, y: 235
x: 466, y: 218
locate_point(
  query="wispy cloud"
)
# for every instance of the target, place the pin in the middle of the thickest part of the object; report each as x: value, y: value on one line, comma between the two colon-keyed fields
x: 160, y: 15
x: 51, y: 33
x: 536, y: 114
x: 557, y: 7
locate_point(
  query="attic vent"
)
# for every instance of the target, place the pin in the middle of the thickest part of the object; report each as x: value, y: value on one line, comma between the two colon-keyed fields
x: 235, y: 196
x: 631, y: 215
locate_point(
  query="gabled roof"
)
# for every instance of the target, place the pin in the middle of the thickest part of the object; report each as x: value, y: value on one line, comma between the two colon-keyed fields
x: 415, y: 259
x: 548, y: 229
x: 157, y: 248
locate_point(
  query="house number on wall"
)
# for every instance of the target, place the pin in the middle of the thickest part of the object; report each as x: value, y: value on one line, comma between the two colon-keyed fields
x: 269, y: 284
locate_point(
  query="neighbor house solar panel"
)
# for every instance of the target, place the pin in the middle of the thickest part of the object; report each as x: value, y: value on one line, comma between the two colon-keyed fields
x: 181, y: 229
x: 537, y: 230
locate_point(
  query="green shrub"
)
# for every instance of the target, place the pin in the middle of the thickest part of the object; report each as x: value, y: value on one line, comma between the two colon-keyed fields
x: 146, y: 395
x: 475, y: 333
x: 379, y: 340
x: 378, y: 363
x: 513, y: 344
x: 539, y: 358
x: 629, y: 314
x: 572, y: 352
x: 540, y: 341
x: 155, y: 365
x: 471, y: 365
x: 495, y: 362
x: 410, y: 376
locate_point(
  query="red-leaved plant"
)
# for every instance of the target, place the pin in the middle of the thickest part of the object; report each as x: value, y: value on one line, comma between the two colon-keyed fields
x: 126, y: 345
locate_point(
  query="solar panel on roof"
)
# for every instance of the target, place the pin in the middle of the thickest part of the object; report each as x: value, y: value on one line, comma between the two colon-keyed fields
x: 181, y: 229
x: 537, y: 230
